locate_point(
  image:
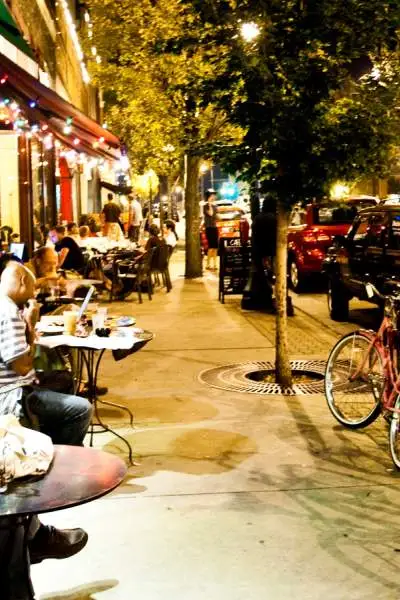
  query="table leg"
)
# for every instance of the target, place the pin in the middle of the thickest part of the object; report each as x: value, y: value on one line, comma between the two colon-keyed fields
x: 92, y: 367
x: 120, y: 406
x: 15, y: 579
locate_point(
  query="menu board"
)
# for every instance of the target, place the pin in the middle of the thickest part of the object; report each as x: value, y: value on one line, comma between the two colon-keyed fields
x: 234, y: 267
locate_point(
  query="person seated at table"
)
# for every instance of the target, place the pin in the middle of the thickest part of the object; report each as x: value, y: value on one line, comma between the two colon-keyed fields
x: 44, y: 265
x: 170, y: 235
x: 84, y: 236
x: 70, y: 256
x: 154, y: 239
x: 64, y: 417
x: 73, y: 232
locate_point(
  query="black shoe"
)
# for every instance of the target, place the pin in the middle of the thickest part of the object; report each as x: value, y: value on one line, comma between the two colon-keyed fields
x: 100, y: 391
x: 50, y: 542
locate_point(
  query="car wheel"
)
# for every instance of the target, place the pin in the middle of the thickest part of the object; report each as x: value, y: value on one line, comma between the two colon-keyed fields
x: 338, y: 301
x: 295, y: 277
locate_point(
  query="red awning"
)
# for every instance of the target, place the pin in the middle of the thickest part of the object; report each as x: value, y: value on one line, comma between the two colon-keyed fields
x: 53, y: 110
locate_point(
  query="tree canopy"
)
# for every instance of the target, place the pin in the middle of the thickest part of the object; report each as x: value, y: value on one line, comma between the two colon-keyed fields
x: 316, y: 91
x: 154, y: 83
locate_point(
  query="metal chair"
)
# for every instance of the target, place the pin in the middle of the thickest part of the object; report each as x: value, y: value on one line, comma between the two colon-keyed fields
x: 137, y: 271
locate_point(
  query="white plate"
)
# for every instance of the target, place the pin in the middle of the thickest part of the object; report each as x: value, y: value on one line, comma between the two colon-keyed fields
x: 50, y: 328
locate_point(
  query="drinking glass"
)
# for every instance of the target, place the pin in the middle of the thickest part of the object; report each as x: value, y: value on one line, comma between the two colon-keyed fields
x: 70, y: 319
x: 98, y: 321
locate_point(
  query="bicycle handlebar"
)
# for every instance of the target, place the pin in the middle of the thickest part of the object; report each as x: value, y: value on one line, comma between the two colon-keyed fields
x: 373, y: 291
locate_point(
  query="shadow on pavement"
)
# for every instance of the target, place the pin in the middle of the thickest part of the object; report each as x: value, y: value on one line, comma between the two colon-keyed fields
x: 358, y: 523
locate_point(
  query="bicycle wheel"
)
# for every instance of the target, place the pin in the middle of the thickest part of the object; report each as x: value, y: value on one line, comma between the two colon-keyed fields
x: 394, y: 434
x: 354, y: 381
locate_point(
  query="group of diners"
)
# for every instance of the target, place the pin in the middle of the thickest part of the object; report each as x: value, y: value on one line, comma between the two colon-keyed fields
x: 69, y: 248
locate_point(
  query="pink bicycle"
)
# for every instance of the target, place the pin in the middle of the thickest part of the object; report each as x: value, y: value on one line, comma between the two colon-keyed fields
x: 362, y: 377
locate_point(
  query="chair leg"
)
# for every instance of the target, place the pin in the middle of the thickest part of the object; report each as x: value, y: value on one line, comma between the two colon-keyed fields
x: 168, y: 280
x: 149, y: 287
x: 138, y: 286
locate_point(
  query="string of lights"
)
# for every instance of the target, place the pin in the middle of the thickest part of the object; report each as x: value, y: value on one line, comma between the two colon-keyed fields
x: 75, y: 39
x: 12, y: 117
x: 12, y: 113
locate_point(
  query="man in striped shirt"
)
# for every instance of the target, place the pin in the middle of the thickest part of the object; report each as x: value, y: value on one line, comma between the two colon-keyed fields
x: 65, y: 418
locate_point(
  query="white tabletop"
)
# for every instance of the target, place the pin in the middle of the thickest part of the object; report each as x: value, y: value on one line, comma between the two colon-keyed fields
x: 121, y: 340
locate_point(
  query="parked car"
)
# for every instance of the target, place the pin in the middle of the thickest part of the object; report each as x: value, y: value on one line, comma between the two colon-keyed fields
x: 231, y: 222
x: 370, y: 252
x: 360, y: 202
x: 311, y: 233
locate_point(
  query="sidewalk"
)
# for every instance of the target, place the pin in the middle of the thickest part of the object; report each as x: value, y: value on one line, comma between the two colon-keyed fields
x: 237, y: 497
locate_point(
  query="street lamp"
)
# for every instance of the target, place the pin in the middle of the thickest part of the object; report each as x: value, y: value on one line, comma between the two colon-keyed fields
x: 249, y: 31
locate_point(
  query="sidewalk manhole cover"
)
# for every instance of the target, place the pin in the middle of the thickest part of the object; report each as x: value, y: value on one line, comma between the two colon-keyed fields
x: 252, y: 378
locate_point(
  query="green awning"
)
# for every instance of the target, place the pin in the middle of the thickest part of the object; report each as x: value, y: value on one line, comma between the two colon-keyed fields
x: 9, y: 30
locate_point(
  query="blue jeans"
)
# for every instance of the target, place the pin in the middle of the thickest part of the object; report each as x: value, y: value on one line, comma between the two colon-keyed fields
x: 63, y: 417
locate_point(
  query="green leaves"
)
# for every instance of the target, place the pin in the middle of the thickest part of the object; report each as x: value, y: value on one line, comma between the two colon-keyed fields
x: 156, y: 56
x: 310, y: 110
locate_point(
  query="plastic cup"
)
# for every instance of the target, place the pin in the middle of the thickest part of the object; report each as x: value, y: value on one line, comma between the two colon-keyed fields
x: 70, y: 320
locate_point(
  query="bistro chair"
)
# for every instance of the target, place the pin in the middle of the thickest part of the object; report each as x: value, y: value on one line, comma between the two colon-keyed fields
x: 134, y: 274
x: 161, y: 266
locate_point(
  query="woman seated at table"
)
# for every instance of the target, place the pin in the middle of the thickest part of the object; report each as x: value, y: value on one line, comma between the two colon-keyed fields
x: 154, y: 239
x: 170, y: 235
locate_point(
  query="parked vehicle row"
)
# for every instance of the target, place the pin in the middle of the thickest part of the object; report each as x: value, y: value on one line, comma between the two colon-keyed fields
x: 312, y: 231
x: 370, y: 252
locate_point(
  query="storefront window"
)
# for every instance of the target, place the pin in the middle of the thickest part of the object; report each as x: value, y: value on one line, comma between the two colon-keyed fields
x: 9, y: 182
x: 43, y: 184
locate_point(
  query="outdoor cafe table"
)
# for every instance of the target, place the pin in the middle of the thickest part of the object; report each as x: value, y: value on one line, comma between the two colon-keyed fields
x: 77, y: 475
x: 90, y: 352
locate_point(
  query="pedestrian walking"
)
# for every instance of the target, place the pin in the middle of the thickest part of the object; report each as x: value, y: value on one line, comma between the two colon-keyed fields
x: 111, y: 214
x: 210, y: 223
x: 136, y: 216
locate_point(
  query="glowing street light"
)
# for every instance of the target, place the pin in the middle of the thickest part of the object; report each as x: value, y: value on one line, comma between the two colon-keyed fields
x: 249, y: 31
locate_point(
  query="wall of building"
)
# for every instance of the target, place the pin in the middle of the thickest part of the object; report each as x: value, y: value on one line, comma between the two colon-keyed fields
x: 45, y: 27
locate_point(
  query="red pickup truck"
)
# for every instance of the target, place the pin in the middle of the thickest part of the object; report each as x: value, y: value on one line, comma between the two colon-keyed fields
x: 310, y: 234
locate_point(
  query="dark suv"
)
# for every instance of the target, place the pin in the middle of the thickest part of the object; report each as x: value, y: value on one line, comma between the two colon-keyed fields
x: 370, y: 252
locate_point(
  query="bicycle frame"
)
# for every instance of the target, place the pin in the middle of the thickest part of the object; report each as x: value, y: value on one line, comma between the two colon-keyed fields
x: 384, y: 342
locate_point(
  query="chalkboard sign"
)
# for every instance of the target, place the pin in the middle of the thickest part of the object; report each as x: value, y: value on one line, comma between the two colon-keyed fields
x: 234, y: 267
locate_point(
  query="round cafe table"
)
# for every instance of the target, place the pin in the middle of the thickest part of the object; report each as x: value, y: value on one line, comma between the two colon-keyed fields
x: 90, y: 351
x: 77, y: 475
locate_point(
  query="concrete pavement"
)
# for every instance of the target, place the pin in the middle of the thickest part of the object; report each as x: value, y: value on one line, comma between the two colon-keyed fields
x: 237, y: 496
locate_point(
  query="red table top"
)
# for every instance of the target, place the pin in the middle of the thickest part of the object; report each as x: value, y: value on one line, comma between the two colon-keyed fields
x: 76, y: 476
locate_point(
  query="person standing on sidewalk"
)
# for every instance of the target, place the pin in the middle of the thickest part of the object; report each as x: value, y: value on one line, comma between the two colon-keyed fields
x: 210, y: 223
x: 259, y: 294
x: 111, y: 214
x: 136, y: 218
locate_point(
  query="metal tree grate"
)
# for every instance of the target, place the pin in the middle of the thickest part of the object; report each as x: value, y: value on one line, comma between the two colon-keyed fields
x: 237, y: 378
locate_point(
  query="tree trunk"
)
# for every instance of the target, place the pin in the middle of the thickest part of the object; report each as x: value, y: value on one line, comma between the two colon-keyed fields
x: 282, y: 363
x: 193, y: 266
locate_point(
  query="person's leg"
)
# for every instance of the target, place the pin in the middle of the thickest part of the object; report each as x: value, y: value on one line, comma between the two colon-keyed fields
x: 214, y: 258
x: 65, y: 418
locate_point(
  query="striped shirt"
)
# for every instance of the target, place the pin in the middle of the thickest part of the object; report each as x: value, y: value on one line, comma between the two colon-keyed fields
x: 13, y: 345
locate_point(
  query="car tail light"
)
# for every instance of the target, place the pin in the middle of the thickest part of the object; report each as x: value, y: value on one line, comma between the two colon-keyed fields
x: 316, y: 236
